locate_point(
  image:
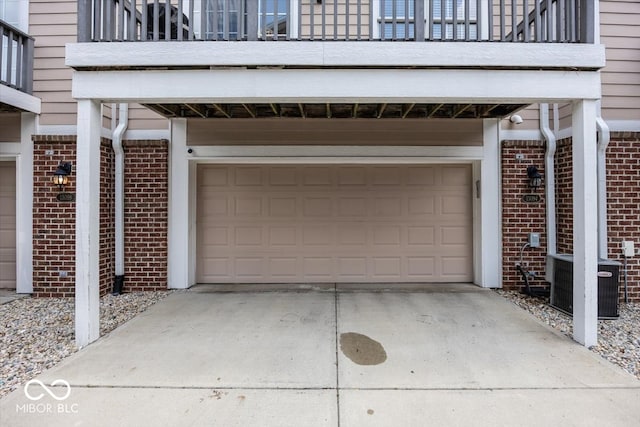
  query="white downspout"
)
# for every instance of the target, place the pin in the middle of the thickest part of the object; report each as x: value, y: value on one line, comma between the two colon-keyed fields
x: 123, y: 121
x: 550, y: 188
x: 604, y: 136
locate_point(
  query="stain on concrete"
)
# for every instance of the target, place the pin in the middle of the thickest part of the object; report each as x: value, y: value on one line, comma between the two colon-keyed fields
x: 370, y: 411
x: 361, y: 349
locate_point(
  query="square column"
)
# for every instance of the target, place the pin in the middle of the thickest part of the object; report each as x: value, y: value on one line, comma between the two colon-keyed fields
x: 87, y: 175
x: 24, y: 214
x: 488, y: 256
x: 178, y: 233
x: 585, y: 223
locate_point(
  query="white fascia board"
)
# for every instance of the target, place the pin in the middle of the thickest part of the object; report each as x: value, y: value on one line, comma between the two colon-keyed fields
x: 335, y: 54
x: 315, y: 153
x: 23, y: 101
x: 336, y: 85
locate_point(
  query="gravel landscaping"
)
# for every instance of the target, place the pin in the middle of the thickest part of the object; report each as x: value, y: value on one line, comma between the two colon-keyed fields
x: 37, y: 333
x: 618, y: 340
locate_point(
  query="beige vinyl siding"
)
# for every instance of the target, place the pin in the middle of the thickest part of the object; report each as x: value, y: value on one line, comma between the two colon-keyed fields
x: 53, y: 23
x: 620, y: 33
x: 141, y: 118
x: 334, y: 132
x: 10, y: 127
x: 530, y: 115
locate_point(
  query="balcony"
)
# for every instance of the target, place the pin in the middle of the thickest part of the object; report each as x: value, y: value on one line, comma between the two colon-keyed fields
x: 16, y: 71
x: 537, y: 21
x: 335, y: 58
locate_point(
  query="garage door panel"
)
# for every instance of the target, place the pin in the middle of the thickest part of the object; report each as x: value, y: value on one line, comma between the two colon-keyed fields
x: 7, y: 225
x: 283, y: 176
x: 352, y: 176
x: 244, y: 176
x: 334, y: 224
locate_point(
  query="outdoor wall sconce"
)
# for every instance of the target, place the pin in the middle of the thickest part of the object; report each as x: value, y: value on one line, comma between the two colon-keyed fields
x: 61, y: 179
x: 535, y: 179
x: 61, y: 175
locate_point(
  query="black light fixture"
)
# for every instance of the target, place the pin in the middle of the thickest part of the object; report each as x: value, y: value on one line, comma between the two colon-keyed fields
x: 61, y: 175
x: 535, y: 179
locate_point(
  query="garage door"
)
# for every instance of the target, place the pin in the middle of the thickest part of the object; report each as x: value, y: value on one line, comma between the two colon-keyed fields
x: 7, y: 225
x: 317, y: 223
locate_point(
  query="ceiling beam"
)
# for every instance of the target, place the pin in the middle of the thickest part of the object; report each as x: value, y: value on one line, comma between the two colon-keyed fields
x: 406, y: 109
x: 302, y: 112
x: 221, y: 110
x: 461, y: 109
x: 198, y: 109
x: 434, y: 109
x: 251, y: 109
x: 381, y: 110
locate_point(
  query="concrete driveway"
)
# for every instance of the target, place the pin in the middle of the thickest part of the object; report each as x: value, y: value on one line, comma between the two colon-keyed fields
x: 438, y: 355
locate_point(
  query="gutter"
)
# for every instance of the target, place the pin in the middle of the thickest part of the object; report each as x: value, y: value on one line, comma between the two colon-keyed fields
x: 123, y: 121
x: 550, y: 188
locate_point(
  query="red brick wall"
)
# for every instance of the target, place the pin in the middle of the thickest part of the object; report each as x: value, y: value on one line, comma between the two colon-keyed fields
x: 623, y: 203
x: 53, y: 221
x: 146, y: 196
x: 520, y: 218
x: 146, y: 204
x: 564, y: 196
x: 107, y: 217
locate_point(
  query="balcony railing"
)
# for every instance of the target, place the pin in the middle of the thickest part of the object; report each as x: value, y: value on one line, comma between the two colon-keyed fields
x: 542, y: 21
x: 16, y: 58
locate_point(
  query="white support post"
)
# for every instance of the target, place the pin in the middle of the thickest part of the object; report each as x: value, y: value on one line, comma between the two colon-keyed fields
x: 24, y: 205
x: 87, y: 176
x: 585, y: 223
x: 178, y: 234
x: 488, y: 261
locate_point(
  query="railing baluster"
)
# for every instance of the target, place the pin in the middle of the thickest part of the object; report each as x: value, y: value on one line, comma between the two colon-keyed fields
x: 2, y: 65
x: 120, y: 8
x: 19, y: 48
x: 537, y: 32
x: 156, y: 20
x: 490, y: 21
x: 549, y: 12
x: 9, y: 79
x: 335, y: 19
x: 514, y: 20
x: 372, y: 23
x: 323, y: 20
x: 430, y: 22
x: 418, y: 19
x: 525, y: 19
x: 312, y: 23
x: 503, y: 29
x: 191, y: 21
x: 28, y: 66
x: 466, y: 19
x: 288, y: 20
x: 454, y: 15
x: 275, y: 20
x: 85, y: 18
x: 144, y: 36
x: 252, y: 20
x: 346, y: 20
x: 558, y: 37
x: 179, y: 22
x: 359, y: 20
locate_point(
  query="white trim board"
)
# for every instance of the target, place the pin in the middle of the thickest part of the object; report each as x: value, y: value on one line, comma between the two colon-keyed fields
x: 336, y: 54
x: 315, y: 152
x: 335, y: 85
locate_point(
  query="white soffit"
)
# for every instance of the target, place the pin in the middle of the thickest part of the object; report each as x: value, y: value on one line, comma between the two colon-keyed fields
x: 336, y: 86
x: 336, y: 54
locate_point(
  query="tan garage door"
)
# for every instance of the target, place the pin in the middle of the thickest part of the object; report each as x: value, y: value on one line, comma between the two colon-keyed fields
x: 7, y: 225
x: 317, y: 223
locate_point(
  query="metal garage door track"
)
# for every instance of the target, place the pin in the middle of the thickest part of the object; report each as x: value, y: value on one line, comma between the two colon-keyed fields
x: 321, y: 356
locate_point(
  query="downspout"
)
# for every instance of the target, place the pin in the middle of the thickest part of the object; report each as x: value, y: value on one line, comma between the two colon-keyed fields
x: 550, y: 188
x: 604, y: 136
x: 116, y: 142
